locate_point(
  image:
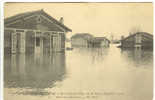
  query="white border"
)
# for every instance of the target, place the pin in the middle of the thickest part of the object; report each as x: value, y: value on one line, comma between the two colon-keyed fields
x: 77, y: 1
x: 2, y: 31
x: 1, y: 51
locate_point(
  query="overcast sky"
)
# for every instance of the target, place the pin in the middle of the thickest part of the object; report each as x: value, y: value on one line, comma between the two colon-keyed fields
x: 99, y: 19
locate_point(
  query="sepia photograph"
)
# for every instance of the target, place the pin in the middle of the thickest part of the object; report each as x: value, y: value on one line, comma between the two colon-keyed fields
x: 78, y: 51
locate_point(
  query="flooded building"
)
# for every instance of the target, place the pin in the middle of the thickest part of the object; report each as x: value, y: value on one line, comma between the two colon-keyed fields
x: 138, y: 40
x: 100, y: 42
x: 34, y: 31
x: 81, y: 40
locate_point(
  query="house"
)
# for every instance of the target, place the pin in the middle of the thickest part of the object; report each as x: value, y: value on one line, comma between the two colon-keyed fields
x: 88, y: 40
x: 138, y: 40
x: 34, y: 32
x: 100, y: 42
x: 81, y: 40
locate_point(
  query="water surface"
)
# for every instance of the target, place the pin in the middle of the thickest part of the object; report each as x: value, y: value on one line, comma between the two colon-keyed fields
x: 81, y: 74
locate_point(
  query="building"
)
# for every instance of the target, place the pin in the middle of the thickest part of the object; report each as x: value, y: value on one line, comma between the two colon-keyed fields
x: 88, y: 40
x: 138, y: 40
x: 81, y: 40
x: 34, y: 32
x: 100, y: 42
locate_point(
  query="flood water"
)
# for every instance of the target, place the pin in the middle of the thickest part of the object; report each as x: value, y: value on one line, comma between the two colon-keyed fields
x: 80, y: 74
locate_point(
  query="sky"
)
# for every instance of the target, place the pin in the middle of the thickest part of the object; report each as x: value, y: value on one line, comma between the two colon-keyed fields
x: 98, y: 19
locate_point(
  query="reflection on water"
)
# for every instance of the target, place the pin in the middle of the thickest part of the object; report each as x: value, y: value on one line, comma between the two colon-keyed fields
x: 34, y: 71
x: 82, y: 69
x: 95, y: 55
x: 140, y: 57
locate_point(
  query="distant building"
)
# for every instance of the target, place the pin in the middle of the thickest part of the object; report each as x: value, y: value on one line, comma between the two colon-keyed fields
x: 81, y: 40
x: 138, y: 40
x: 100, y: 42
x: 34, y: 32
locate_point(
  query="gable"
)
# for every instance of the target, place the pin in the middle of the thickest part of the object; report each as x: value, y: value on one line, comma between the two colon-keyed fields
x: 51, y: 26
x: 22, y: 23
x: 30, y: 21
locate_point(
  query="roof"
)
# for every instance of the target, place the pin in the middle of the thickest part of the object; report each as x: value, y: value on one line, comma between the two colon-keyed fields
x: 99, y: 39
x: 143, y: 33
x: 86, y: 36
x: 26, y: 14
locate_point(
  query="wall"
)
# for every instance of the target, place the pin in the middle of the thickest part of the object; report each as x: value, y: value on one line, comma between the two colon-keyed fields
x: 7, y: 41
x: 63, y: 38
x: 105, y: 43
x: 57, y: 42
x: 46, y: 42
x: 30, y: 41
x: 147, y: 42
x: 79, y: 42
x: 128, y: 43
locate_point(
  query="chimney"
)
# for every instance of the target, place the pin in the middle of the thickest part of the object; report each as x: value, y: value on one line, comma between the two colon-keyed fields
x: 61, y: 20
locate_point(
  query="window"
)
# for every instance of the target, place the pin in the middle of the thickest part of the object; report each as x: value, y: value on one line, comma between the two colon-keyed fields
x: 51, y: 41
x: 37, y: 41
x: 18, y: 40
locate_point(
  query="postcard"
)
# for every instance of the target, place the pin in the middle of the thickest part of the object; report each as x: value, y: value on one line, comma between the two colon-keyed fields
x: 78, y: 51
